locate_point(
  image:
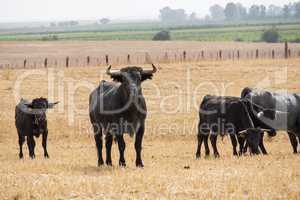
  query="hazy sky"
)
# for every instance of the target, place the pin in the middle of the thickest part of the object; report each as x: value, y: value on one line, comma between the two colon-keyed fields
x: 37, y: 10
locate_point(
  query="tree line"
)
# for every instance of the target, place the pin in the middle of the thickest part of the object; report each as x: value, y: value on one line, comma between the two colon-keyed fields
x: 236, y: 11
x: 233, y: 12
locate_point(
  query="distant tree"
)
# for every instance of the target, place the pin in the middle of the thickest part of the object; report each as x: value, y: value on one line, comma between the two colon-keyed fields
x: 254, y: 12
x: 193, y: 17
x: 262, y: 11
x: 207, y: 18
x: 241, y: 10
x: 162, y: 35
x: 68, y: 23
x: 274, y: 11
x: 217, y: 12
x: 104, y: 21
x: 173, y: 16
x: 270, y: 35
x: 74, y: 23
x: 231, y: 11
x: 52, y: 24
x: 286, y: 11
x: 297, y: 9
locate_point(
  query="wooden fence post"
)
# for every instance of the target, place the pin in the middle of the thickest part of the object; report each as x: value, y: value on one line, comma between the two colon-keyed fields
x: 184, y: 55
x: 286, y: 49
x: 238, y: 54
x: 166, y: 57
x: 128, y: 59
x: 220, y: 54
x: 289, y: 53
x: 67, y: 61
x: 88, y: 60
x: 106, y: 59
x: 25, y: 62
x: 273, y: 54
x: 256, y: 54
x: 45, y: 62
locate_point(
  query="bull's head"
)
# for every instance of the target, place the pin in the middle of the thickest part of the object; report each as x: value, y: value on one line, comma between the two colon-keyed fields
x: 252, y: 136
x: 39, y: 107
x: 131, y: 78
x: 40, y: 104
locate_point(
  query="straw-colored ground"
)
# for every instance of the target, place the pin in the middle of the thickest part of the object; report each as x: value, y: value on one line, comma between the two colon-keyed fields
x: 171, y: 170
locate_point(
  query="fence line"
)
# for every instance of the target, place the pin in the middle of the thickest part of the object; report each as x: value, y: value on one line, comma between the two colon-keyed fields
x: 166, y: 57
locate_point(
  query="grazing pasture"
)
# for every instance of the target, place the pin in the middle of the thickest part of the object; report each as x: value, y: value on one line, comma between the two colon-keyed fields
x: 242, y: 32
x: 171, y: 170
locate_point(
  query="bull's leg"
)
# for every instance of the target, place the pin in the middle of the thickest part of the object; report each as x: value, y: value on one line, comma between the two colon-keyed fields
x: 21, y: 142
x: 44, y: 143
x: 206, y: 144
x: 234, y: 144
x: 243, y: 145
x: 261, y: 144
x: 293, y: 141
x: 98, y: 141
x: 138, y: 146
x: 31, y: 146
x: 200, y: 140
x: 122, y: 146
x: 213, y: 140
x: 108, y: 144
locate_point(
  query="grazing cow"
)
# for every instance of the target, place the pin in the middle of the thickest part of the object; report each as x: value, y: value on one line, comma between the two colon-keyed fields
x: 30, y: 121
x: 280, y: 111
x: 220, y: 115
x: 116, y: 109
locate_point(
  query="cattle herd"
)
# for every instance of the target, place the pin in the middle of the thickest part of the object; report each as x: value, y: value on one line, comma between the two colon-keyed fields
x: 116, y: 109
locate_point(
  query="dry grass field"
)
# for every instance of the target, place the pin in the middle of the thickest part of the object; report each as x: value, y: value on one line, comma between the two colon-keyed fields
x: 171, y: 170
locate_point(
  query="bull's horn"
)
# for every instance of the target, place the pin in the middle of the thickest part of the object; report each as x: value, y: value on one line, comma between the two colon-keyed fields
x: 260, y: 114
x: 150, y: 71
x: 266, y: 130
x: 28, y: 104
x: 51, y: 105
x: 110, y: 73
x: 242, y: 132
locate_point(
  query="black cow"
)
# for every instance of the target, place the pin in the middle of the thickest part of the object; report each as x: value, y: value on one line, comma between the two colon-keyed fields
x: 280, y: 111
x: 30, y: 121
x: 116, y: 109
x: 219, y: 115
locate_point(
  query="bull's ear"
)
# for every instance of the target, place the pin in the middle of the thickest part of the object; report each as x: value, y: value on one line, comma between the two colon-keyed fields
x: 51, y: 105
x: 116, y: 77
x: 268, y: 113
x: 148, y: 74
x: 146, y: 77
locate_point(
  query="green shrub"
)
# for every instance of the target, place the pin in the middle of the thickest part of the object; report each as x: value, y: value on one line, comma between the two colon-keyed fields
x: 270, y: 36
x: 162, y: 35
x: 50, y: 38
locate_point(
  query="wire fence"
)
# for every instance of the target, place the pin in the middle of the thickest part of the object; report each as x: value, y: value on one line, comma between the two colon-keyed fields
x: 148, y: 58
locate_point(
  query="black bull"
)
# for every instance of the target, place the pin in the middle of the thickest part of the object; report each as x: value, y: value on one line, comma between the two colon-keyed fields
x: 31, y: 121
x: 283, y: 111
x: 116, y: 109
x: 219, y: 115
